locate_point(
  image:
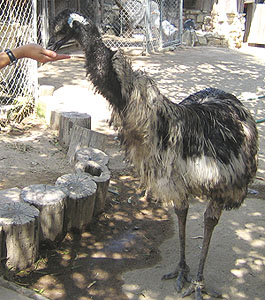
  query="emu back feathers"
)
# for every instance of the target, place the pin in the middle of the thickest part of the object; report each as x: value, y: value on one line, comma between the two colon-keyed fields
x: 206, y: 145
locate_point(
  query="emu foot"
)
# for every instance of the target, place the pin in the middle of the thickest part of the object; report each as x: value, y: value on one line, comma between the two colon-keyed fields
x: 198, y: 287
x: 182, y: 276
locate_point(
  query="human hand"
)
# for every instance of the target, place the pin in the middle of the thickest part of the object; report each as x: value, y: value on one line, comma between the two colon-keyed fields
x: 38, y: 53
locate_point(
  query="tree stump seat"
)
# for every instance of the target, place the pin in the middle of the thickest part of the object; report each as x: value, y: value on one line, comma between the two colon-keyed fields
x: 92, y: 154
x: 67, y: 121
x: 19, y: 222
x: 50, y: 201
x: 80, y: 202
x: 83, y: 137
x: 101, y: 175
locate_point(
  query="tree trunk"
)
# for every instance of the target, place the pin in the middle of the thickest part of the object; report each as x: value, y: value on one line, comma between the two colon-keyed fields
x: 55, y: 119
x: 92, y: 154
x: 81, y: 190
x: 101, y: 175
x: 20, y: 225
x: 50, y: 201
x: 83, y: 137
x: 67, y: 122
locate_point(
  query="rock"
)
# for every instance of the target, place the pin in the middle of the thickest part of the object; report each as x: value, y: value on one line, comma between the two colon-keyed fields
x: 202, y: 40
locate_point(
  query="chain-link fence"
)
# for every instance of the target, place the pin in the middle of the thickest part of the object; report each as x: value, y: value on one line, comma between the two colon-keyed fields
x: 139, y: 23
x: 18, y: 83
x: 146, y: 24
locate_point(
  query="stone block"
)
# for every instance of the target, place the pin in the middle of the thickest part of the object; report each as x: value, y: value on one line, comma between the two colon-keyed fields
x: 200, y: 18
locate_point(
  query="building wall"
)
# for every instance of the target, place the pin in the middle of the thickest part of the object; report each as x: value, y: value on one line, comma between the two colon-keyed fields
x: 219, y: 23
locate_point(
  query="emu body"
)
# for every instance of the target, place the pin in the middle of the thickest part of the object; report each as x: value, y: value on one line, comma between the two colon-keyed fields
x: 205, y: 146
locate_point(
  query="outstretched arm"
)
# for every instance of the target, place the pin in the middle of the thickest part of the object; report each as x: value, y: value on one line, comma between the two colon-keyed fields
x: 33, y: 51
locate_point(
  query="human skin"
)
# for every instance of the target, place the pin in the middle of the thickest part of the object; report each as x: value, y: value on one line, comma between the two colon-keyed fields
x: 33, y: 51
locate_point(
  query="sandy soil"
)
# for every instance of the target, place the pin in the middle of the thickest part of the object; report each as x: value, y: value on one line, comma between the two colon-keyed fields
x: 127, y: 249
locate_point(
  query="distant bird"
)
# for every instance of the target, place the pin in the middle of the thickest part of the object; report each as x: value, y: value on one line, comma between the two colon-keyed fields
x: 189, y: 25
x: 205, y: 146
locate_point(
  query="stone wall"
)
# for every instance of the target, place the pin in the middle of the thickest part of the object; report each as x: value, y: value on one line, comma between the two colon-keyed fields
x: 215, y: 28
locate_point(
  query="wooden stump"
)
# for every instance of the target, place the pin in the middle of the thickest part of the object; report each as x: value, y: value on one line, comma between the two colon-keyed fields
x: 50, y: 201
x: 67, y: 122
x: 92, y: 154
x: 1, y: 243
x: 55, y: 119
x: 7, y: 196
x: 20, y: 225
x: 101, y: 175
x: 81, y: 190
x: 83, y: 137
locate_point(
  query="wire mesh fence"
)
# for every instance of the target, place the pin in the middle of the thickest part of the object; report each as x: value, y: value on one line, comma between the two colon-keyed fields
x: 18, y: 82
x: 148, y: 24
x: 145, y: 24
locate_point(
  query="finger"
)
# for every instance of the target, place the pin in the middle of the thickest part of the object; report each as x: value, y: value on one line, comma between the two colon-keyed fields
x: 63, y: 56
x: 49, y: 53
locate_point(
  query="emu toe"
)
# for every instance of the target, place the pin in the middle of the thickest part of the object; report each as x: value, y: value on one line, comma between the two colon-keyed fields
x: 182, y: 276
x: 198, y: 287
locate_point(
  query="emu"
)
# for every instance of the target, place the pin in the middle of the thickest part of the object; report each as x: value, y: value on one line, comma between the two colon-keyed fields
x: 205, y: 146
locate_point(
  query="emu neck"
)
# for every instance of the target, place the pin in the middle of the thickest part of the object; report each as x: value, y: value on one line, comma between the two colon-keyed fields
x: 99, y: 68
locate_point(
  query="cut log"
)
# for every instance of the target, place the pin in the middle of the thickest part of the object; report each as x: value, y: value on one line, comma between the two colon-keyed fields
x: 20, y: 225
x: 92, y: 154
x: 67, y: 122
x: 83, y: 137
x: 54, y: 121
x: 50, y: 201
x: 81, y: 190
x: 7, y: 196
x: 101, y: 175
x: 1, y: 243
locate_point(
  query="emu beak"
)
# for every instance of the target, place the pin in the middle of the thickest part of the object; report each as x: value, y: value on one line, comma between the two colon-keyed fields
x: 56, y: 45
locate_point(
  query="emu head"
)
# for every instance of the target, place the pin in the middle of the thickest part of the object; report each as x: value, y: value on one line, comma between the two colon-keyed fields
x: 67, y: 25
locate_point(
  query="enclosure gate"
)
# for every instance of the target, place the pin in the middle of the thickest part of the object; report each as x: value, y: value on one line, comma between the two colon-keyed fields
x: 150, y: 24
x: 18, y: 83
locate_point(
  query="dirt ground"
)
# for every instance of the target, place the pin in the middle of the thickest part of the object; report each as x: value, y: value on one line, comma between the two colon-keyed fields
x: 126, y: 250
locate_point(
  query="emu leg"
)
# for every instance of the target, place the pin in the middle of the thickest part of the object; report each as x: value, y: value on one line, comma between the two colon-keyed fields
x: 211, y: 218
x: 182, y: 270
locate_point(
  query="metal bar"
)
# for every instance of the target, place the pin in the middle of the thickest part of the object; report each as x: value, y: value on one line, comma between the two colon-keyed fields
x: 34, y: 70
x: 45, y: 14
x: 180, y: 20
